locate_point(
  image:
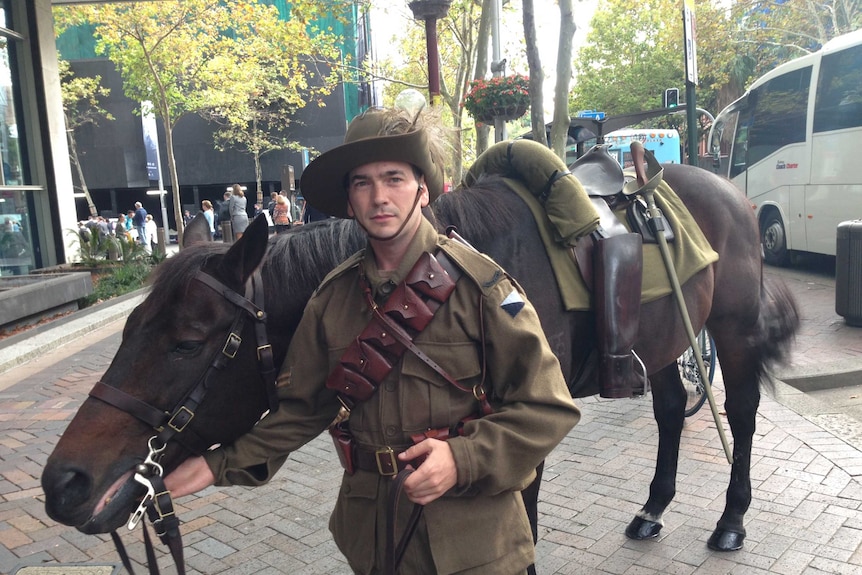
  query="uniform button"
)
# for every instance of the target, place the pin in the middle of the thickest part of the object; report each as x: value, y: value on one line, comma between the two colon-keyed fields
x: 390, y: 386
x: 387, y: 288
x: 347, y: 489
x: 391, y: 430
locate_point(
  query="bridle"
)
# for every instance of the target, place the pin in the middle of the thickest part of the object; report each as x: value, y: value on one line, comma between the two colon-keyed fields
x: 173, y: 425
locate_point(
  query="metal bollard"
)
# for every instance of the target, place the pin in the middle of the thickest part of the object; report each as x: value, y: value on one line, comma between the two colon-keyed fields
x: 162, y: 246
x: 226, y: 233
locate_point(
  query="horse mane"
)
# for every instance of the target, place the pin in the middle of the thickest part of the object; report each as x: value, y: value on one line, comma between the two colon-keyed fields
x: 301, y: 257
x: 480, y: 211
x: 305, y: 254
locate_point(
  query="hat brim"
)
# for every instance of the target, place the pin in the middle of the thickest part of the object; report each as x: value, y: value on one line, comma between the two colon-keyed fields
x: 324, y: 181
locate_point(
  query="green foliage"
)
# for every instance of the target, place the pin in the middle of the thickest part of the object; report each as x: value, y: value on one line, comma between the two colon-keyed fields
x: 96, y: 251
x: 116, y: 281
x: 119, y: 264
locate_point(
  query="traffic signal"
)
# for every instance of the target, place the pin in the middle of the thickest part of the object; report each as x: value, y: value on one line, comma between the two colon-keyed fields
x: 671, y: 98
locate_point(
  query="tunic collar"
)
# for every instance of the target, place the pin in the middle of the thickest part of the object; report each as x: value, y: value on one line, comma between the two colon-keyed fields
x: 425, y: 240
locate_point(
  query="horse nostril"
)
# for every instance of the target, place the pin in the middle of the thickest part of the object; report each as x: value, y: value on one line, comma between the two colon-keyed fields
x: 65, y: 491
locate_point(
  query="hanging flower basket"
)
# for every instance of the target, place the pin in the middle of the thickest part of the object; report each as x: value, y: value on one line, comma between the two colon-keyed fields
x: 504, y: 97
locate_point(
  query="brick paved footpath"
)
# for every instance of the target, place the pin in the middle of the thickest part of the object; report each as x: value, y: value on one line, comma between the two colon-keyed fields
x: 805, y: 517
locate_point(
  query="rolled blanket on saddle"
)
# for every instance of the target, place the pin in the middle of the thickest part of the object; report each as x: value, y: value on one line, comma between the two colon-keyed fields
x: 564, y: 214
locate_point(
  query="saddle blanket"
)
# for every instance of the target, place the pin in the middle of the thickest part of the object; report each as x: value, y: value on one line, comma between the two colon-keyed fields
x: 690, y: 250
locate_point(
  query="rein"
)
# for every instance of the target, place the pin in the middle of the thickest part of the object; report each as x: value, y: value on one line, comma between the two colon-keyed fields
x: 173, y: 425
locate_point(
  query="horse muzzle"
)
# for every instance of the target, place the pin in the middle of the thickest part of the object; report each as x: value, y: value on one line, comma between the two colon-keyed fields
x: 71, y: 500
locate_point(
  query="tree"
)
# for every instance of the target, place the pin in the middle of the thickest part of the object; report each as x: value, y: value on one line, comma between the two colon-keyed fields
x: 458, y: 46
x: 634, y: 52
x: 780, y: 31
x: 537, y: 76
x: 281, y: 64
x: 80, y: 108
x: 184, y: 56
x: 560, y: 127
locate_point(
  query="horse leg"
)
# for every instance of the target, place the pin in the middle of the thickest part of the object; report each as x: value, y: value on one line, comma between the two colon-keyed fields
x: 669, y: 411
x: 739, y: 368
x: 530, y: 495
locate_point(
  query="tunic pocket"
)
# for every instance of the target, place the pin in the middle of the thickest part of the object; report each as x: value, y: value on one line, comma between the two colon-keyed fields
x: 354, y: 520
x: 427, y: 400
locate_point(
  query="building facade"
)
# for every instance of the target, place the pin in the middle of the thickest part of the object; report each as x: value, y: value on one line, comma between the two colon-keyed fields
x: 39, y: 210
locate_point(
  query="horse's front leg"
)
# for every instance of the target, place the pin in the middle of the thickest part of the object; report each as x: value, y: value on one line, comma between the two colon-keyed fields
x: 669, y: 411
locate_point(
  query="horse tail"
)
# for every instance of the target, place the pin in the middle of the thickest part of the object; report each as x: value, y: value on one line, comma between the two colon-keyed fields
x: 777, y: 325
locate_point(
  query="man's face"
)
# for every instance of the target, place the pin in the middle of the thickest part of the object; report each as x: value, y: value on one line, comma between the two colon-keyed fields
x: 381, y: 196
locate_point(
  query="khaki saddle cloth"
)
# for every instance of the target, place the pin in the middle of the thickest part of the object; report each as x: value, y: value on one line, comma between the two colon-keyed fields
x: 565, y: 214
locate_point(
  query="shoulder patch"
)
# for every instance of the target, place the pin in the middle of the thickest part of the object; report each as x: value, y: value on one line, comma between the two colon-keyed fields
x: 513, y: 303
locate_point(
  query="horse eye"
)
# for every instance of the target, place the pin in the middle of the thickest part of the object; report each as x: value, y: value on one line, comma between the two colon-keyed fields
x: 187, y: 347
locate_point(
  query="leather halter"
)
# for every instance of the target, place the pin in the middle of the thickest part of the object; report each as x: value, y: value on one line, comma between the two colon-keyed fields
x: 173, y: 424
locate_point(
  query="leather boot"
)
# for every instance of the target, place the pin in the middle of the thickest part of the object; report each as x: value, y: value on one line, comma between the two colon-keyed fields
x: 617, y: 276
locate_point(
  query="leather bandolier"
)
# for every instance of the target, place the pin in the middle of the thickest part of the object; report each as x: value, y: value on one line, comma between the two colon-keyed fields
x: 376, y: 350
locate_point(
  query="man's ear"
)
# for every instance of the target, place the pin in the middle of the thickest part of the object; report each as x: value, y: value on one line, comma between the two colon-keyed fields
x: 423, y: 191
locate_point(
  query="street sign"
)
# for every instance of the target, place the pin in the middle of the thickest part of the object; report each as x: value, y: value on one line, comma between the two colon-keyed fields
x: 591, y: 114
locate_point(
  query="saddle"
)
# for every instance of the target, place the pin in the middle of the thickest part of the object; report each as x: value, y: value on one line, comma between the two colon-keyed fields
x: 605, y: 183
x: 603, y: 179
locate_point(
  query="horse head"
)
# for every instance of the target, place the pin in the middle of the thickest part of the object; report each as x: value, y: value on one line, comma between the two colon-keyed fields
x: 183, y: 341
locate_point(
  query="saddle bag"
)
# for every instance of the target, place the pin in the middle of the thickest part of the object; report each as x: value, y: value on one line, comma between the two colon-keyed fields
x: 636, y: 215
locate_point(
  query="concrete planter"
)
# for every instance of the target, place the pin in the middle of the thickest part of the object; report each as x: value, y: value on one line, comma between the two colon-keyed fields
x: 26, y: 299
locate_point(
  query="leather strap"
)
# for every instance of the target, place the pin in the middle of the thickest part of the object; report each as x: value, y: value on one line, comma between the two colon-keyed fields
x: 395, y: 552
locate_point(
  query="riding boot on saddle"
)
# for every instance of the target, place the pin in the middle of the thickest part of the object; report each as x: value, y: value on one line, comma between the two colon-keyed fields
x: 616, y: 269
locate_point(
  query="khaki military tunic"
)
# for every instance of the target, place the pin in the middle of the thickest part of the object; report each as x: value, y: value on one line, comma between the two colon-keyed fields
x: 479, y: 526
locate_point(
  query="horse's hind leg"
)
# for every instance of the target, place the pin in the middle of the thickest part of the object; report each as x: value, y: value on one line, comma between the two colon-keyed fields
x: 669, y: 410
x: 740, y: 368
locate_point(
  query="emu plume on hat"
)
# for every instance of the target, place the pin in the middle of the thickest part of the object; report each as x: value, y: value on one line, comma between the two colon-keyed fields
x: 324, y: 180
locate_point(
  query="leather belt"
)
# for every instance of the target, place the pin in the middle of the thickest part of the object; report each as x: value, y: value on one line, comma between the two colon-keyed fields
x: 383, y: 461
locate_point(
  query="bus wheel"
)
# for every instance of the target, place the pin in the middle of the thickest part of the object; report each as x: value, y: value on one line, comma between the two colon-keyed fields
x: 774, y: 241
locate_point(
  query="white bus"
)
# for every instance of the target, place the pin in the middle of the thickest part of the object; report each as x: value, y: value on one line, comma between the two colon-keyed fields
x: 663, y: 143
x: 792, y: 143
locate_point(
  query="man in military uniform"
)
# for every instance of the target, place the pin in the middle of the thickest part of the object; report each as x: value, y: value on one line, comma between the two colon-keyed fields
x: 473, y: 406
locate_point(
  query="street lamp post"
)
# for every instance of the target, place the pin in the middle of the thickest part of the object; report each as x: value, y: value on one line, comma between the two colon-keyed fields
x: 430, y: 11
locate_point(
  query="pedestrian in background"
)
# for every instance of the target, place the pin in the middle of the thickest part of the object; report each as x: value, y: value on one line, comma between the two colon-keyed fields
x: 281, y: 214
x: 207, y: 208
x: 238, y: 213
x: 140, y: 222
x: 151, y: 234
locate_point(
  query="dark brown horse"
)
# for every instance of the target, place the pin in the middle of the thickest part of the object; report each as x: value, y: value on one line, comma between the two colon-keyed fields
x: 177, y: 334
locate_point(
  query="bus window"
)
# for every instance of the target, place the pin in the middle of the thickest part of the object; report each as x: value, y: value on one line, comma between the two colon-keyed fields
x: 839, y: 91
x: 778, y: 114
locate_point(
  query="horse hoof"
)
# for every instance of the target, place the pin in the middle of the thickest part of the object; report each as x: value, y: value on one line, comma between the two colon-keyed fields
x: 641, y: 528
x: 722, y: 540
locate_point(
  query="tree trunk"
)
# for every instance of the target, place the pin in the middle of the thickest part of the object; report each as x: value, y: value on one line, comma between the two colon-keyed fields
x: 560, y: 128
x: 259, y: 179
x: 537, y: 76
x: 73, y: 154
x: 175, y: 182
x: 483, y: 39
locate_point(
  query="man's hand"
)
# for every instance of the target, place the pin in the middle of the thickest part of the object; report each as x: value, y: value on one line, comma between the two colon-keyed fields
x: 191, y: 476
x: 435, y: 476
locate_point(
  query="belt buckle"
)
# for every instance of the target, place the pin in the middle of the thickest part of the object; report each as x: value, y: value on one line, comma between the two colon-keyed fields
x: 385, y: 457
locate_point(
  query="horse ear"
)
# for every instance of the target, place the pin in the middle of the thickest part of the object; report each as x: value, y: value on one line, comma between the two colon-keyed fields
x: 197, y: 231
x: 245, y: 255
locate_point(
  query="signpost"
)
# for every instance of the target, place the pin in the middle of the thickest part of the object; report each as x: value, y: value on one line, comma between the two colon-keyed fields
x: 690, y: 45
